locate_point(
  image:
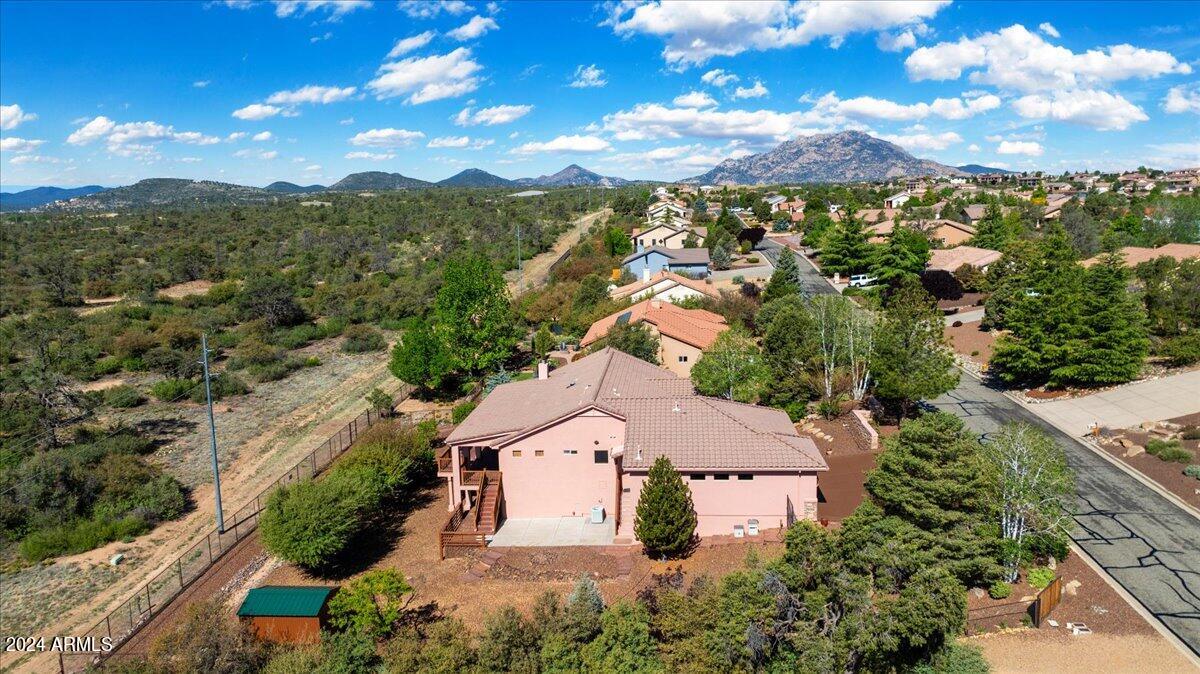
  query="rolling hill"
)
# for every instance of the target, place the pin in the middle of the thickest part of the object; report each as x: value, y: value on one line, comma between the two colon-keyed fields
x: 40, y: 196
x: 378, y: 181
x: 573, y: 176
x: 292, y: 188
x: 474, y: 177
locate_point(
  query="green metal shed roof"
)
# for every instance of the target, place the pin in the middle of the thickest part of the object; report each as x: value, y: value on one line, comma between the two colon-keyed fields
x: 298, y: 602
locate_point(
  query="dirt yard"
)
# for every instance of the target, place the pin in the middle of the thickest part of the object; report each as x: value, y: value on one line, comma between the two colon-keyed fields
x: 1121, y: 640
x: 536, y: 271
x: 521, y: 574
x: 1129, y: 444
x: 850, y: 457
x: 971, y: 342
x: 260, y: 436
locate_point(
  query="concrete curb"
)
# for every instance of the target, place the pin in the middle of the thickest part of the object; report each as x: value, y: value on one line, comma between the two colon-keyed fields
x: 1137, y: 606
x: 1129, y: 470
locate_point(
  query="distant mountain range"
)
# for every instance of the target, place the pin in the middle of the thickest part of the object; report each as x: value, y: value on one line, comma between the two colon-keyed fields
x: 976, y: 169
x: 40, y: 196
x: 573, y: 176
x: 848, y: 156
x: 170, y: 192
x: 293, y: 188
x: 474, y: 177
x: 377, y: 180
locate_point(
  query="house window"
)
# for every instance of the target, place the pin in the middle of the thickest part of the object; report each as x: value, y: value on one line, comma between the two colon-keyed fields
x: 745, y: 476
x: 721, y: 476
x: 570, y: 451
x: 683, y: 359
x: 600, y: 456
x: 539, y: 452
x: 516, y: 452
x: 696, y: 476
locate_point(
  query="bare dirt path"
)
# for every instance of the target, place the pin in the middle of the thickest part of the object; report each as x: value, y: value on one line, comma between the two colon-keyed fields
x: 537, y: 269
x: 261, y: 436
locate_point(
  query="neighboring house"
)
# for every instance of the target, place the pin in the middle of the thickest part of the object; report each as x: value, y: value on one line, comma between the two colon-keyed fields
x: 870, y: 216
x: 776, y: 201
x: 950, y: 259
x: 1053, y: 208
x: 1029, y: 181
x: 682, y: 333
x: 1135, y: 255
x: 690, y: 261
x: 670, y: 235
x: 665, y: 209
x: 949, y: 232
x: 587, y: 434
x: 976, y: 212
x: 663, y: 286
x: 896, y: 200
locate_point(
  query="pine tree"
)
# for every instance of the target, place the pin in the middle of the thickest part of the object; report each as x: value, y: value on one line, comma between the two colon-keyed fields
x: 911, y: 361
x: 785, y: 280
x: 721, y: 258
x: 665, y: 521
x: 1111, y: 343
x: 847, y: 250
x: 904, y: 255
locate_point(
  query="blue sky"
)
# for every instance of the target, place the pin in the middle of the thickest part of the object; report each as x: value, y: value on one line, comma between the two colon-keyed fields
x: 252, y: 92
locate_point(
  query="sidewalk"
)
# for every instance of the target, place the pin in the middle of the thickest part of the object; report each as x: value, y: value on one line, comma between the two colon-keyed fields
x: 1127, y: 406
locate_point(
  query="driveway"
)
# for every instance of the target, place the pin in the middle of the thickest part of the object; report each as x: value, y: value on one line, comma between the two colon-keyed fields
x: 1128, y: 405
x: 1146, y: 543
x: 973, y: 316
x: 811, y: 281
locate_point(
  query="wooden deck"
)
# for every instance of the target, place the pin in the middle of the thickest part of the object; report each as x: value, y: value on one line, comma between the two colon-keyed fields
x: 470, y: 528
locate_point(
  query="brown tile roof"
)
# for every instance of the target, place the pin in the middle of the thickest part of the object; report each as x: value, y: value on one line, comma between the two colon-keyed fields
x: 690, y: 326
x: 951, y: 259
x: 663, y: 416
x: 634, y: 288
x: 1135, y: 255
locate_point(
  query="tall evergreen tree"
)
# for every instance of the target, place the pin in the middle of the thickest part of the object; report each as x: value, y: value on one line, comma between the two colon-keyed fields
x: 1111, y: 343
x: 911, y: 360
x: 665, y: 521
x: 847, y: 249
x: 903, y: 256
x: 995, y: 231
x: 785, y: 280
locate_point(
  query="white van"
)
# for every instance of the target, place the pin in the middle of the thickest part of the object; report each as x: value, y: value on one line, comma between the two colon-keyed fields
x: 862, y: 281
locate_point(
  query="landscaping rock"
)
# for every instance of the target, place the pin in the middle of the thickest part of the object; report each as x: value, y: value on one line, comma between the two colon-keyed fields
x: 1072, y: 588
x: 1134, y: 451
x: 978, y: 592
x: 1125, y: 442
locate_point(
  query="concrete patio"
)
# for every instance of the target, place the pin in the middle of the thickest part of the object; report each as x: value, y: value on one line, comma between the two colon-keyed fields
x: 553, y: 532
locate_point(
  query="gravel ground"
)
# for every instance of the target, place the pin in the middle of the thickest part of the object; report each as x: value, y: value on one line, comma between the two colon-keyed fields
x: 968, y: 338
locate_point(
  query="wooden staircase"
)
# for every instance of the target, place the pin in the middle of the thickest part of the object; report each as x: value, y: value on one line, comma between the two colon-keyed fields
x: 470, y: 529
x: 489, y: 506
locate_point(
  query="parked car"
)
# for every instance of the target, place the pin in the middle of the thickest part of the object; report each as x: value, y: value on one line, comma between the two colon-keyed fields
x: 862, y: 281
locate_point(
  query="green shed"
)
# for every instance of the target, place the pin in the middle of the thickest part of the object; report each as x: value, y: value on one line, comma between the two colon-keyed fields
x: 285, y: 613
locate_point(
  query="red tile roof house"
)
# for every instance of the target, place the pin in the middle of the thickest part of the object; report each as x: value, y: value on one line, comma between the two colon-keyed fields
x: 587, y: 434
x: 682, y: 333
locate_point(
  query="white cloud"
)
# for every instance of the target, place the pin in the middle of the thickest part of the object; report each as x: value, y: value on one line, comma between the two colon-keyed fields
x: 497, y: 114
x: 12, y: 116
x: 200, y: 84
x: 195, y: 138
x: 1167, y: 155
x: 33, y: 159
x: 450, y: 141
x: 718, y: 78
x: 256, y: 154
x: 653, y: 120
x: 1183, y: 98
x: 428, y: 78
x: 386, y: 137
x: 335, y: 9
x: 475, y: 28
x: 134, y: 139
x: 896, y: 41
x: 311, y: 93
x: 1048, y: 28
x: 973, y: 147
x: 190, y: 160
x: 756, y: 91
x: 695, y: 99
x: 257, y: 111
x: 413, y: 43
x: 312, y: 168
x: 1016, y: 59
x: 261, y: 136
x: 321, y: 38
x: 924, y: 141
x: 1097, y: 109
x: 12, y: 144
x: 1025, y: 147
x: 696, y: 31
x: 869, y: 107
x: 346, y: 122
x: 235, y: 136
x: 588, y: 76
x: 427, y: 9
x: 371, y: 156
x: 572, y: 144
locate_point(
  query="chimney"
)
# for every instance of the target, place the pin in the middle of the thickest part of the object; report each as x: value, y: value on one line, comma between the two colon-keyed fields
x: 646, y: 274
x: 543, y: 370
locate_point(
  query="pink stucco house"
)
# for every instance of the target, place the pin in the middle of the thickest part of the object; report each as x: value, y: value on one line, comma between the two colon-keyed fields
x: 586, y: 435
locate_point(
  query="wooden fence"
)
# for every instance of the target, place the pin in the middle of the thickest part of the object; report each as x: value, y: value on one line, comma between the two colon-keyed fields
x: 1036, y: 610
x: 120, y: 624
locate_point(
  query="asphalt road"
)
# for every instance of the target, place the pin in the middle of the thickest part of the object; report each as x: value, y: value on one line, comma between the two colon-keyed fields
x: 1147, y: 544
x: 811, y: 281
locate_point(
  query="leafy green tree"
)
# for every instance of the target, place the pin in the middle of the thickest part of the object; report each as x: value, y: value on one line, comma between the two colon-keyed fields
x: 371, y: 603
x: 731, y: 367
x: 847, y: 249
x: 421, y: 358
x: 592, y: 290
x: 790, y: 350
x: 785, y: 280
x: 624, y: 643
x: 472, y: 315
x: 380, y: 401
x: 617, y: 243
x: 272, y: 298
x: 665, y: 520
x: 903, y: 256
x: 206, y: 640
x: 509, y: 643
x: 1112, y: 343
x: 635, y: 340
x: 911, y: 361
x: 1033, y: 489
x: 994, y: 231
x: 543, y: 341
x: 930, y: 610
x: 933, y: 476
